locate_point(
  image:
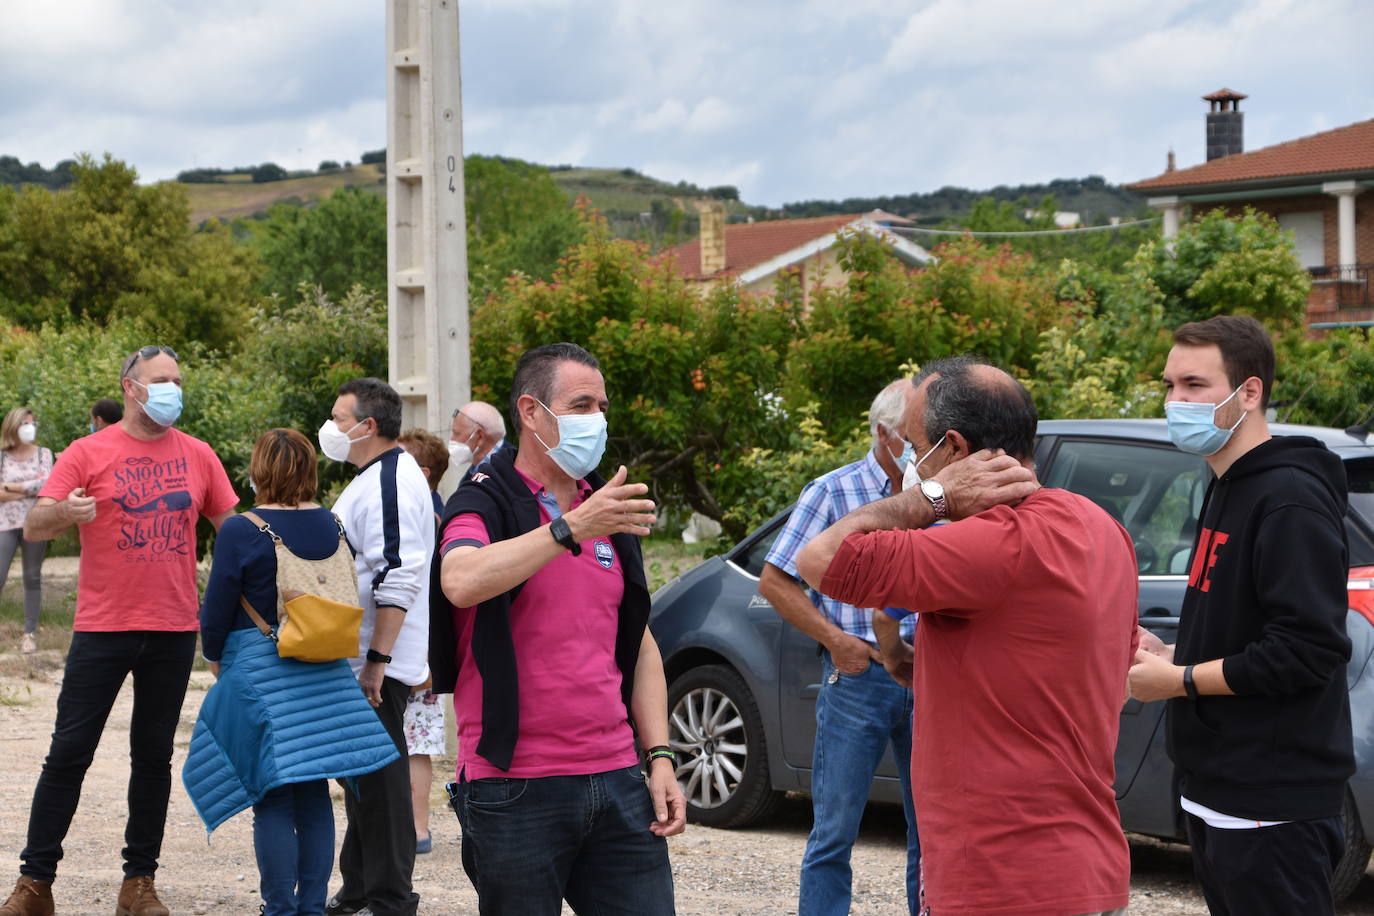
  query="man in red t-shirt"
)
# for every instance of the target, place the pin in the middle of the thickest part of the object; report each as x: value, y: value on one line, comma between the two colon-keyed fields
x: 135, y: 489
x: 1028, y: 627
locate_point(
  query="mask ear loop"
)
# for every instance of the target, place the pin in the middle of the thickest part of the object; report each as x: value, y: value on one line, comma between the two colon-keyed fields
x: 1240, y: 420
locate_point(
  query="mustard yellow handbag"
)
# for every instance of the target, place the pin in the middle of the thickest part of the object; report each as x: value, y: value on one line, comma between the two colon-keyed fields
x: 317, y: 619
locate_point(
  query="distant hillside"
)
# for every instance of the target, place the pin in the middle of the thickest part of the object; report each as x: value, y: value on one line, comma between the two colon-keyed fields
x: 637, y: 205
x: 1092, y: 197
x: 239, y: 196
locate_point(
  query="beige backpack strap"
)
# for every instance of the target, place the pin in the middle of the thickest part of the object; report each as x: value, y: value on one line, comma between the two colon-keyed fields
x: 252, y: 613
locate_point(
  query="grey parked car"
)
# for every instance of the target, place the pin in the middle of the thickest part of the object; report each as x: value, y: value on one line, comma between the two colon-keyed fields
x: 743, y: 684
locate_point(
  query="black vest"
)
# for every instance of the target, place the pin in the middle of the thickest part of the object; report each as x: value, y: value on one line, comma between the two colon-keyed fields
x: 504, y: 501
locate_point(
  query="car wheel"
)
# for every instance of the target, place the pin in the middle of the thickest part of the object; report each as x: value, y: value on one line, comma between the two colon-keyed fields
x: 1352, y: 866
x: 715, y: 727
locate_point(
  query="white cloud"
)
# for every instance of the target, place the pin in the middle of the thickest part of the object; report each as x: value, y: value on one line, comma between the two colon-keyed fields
x: 786, y: 100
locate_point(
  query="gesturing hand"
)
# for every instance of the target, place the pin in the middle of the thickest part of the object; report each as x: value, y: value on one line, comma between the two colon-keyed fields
x: 613, y: 509
x: 80, y: 507
x: 983, y: 480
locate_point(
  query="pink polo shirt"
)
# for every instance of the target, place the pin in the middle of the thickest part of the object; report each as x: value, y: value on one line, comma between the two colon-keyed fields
x: 563, y: 624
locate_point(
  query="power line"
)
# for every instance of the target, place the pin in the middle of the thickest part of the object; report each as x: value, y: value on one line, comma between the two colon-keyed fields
x: 1060, y: 232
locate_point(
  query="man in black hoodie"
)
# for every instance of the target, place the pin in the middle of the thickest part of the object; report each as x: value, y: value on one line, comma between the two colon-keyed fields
x: 1259, y: 716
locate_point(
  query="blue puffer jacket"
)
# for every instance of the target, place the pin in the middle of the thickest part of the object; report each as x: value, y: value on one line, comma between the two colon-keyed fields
x: 269, y: 721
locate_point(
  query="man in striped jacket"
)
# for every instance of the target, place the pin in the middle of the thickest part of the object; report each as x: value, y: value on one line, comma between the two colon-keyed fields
x: 388, y: 516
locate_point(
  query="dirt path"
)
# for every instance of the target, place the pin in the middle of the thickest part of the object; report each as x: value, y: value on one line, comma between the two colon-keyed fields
x: 718, y: 872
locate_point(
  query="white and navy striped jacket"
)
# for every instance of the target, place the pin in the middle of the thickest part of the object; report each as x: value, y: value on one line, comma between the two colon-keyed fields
x: 388, y: 515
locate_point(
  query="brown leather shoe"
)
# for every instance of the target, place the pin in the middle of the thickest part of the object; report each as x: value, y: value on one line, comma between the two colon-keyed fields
x: 30, y: 898
x: 137, y: 898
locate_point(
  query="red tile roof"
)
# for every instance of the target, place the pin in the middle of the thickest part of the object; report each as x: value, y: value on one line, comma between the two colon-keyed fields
x: 751, y: 244
x: 1345, y: 149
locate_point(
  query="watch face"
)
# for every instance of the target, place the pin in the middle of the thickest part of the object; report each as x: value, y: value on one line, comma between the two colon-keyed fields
x: 933, y: 489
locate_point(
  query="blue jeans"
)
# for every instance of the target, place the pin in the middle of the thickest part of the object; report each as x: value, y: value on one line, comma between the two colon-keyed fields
x: 293, y: 836
x: 530, y: 843
x: 97, y: 664
x: 857, y: 717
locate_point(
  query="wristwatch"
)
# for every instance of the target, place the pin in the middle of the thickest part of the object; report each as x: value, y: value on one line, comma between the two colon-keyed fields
x: 935, y: 492
x: 374, y: 656
x: 563, y: 535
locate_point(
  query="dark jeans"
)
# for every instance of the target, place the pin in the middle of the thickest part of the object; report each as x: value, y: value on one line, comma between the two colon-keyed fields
x: 97, y: 664
x: 293, y: 837
x: 378, y: 852
x: 1269, y: 870
x: 530, y: 843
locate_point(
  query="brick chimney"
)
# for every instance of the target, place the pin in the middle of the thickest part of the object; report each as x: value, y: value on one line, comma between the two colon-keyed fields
x: 712, y: 236
x: 1225, y: 124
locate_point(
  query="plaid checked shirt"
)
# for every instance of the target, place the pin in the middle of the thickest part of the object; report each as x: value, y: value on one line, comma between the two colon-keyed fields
x: 823, y: 502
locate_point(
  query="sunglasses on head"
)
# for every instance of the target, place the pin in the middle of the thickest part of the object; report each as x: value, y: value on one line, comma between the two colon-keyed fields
x: 149, y: 352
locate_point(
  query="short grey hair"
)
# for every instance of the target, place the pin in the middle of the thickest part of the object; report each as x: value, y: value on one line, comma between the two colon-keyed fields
x: 990, y: 410
x: 485, y: 416
x: 887, y: 407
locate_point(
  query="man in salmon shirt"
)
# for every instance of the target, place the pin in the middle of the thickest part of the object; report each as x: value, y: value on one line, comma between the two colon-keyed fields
x: 135, y: 490
x: 543, y: 642
x: 1028, y: 627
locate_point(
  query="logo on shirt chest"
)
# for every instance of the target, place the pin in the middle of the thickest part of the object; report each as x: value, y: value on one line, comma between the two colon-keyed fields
x: 604, y: 554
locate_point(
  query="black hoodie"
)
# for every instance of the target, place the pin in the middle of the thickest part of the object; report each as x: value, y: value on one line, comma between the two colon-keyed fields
x: 1267, y: 593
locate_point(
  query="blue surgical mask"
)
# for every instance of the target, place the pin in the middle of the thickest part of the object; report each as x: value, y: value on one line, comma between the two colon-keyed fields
x: 912, y: 477
x: 92, y: 425
x: 581, y: 442
x: 908, y: 452
x: 1193, y: 428
x: 164, y: 401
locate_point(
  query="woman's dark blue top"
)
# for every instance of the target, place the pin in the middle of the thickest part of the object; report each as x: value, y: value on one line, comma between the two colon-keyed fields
x: 246, y: 563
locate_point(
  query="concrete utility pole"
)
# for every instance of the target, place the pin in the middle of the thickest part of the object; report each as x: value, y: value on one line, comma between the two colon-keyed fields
x: 426, y: 249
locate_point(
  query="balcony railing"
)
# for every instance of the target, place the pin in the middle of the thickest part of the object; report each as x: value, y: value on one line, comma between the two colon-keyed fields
x: 1351, y: 284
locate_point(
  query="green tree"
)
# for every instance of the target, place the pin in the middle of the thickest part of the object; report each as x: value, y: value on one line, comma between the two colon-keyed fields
x: 336, y: 244
x: 1220, y: 265
x: 518, y: 220
x: 107, y: 248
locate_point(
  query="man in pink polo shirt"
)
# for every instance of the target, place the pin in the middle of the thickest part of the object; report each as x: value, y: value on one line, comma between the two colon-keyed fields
x: 541, y: 636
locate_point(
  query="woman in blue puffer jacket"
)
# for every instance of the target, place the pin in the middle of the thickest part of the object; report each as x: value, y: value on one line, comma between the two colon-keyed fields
x: 272, y: 731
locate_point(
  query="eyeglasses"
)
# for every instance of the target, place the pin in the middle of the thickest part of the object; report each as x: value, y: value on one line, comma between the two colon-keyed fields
x: 148, y: 352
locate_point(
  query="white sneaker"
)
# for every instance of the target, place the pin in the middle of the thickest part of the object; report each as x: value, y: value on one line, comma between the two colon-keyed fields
x: 28, y: 644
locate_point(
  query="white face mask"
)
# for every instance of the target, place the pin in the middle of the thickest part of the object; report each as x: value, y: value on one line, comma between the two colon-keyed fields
x: 911, y: 477
x: 335, y: 443
x: 28, y: 432
x: 459, y: 457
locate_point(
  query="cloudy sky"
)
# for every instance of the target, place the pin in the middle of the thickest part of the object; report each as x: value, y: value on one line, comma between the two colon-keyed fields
x: 788, y: 99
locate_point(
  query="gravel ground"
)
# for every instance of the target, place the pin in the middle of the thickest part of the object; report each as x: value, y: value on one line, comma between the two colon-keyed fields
x: 718, y: 872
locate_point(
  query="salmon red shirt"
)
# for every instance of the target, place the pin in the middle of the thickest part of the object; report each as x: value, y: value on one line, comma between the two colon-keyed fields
x: 138, y: 556
x: 563, y: 623
x: 1028, y: 626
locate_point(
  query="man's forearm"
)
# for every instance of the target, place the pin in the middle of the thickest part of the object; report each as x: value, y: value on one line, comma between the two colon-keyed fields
x: 894, y: 512
x: 470, y: 575
x: 792, y: 605
x: 649, y: 697
x: 45, y: 522
x: 387, y: 628
x: 888, y: 632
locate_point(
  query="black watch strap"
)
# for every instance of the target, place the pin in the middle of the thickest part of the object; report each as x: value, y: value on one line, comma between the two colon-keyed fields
x: 374, y: 656
x: 563, y: 535
x: 1189, y: 685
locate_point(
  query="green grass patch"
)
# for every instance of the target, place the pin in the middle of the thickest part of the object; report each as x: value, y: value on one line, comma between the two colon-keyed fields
x: 667, y: 558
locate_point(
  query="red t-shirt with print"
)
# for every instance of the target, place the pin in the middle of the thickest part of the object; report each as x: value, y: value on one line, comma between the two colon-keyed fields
x: 138, y: 556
